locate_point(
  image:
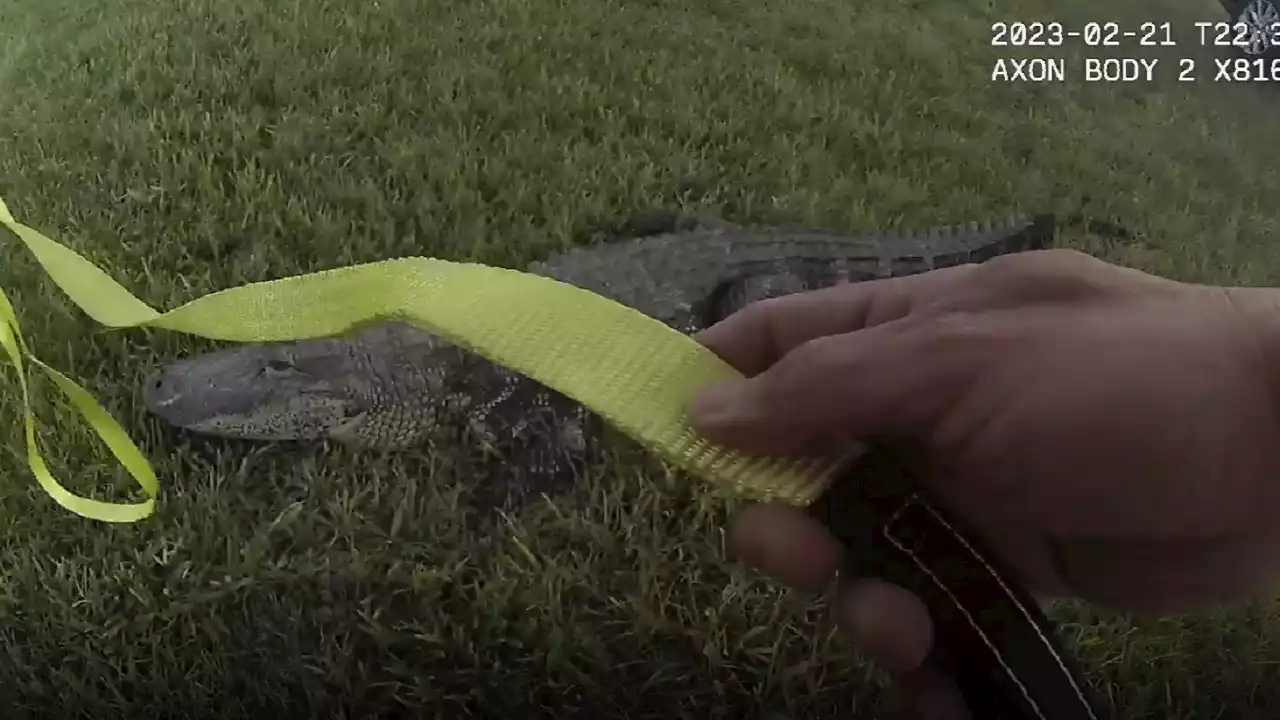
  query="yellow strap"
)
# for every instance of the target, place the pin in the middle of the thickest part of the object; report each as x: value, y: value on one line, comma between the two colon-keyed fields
x: 634, y: 371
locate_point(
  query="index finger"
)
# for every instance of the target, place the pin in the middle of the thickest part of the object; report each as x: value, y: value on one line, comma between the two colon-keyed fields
x: 757, y: 336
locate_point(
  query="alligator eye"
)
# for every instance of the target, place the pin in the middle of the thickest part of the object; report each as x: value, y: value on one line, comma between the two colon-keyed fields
x: 279, y: 365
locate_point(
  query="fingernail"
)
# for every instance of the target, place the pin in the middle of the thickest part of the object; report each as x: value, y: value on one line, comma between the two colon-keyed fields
x: 718, y: 403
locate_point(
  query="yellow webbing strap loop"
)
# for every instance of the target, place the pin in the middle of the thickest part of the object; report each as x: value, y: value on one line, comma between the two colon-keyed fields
x: 635, y: 372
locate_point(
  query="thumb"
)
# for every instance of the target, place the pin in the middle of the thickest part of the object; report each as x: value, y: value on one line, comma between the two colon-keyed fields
x: 888, y: 380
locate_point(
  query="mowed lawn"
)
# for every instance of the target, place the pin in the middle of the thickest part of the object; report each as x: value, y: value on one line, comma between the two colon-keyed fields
x: 193, y: 145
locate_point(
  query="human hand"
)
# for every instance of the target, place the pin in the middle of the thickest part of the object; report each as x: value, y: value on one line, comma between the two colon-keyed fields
x: 1111, y: 434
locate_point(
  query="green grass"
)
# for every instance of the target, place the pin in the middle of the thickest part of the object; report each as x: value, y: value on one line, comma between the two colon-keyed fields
x: 193, y: 145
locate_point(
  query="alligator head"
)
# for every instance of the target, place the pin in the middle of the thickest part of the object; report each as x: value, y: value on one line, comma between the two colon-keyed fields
x: 291, y: 391
x: 339, y: 388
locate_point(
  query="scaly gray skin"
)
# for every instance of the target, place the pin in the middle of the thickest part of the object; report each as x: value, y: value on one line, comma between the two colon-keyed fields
x: 393, y: 386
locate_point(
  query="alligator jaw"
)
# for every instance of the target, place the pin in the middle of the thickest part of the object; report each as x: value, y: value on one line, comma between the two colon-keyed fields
x: 256, y: 392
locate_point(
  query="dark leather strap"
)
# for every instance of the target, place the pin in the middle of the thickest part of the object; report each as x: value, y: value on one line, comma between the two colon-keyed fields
x: 990, y: 635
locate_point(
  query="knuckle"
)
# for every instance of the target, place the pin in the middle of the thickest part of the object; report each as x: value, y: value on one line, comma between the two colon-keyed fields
x: 815, y: 362
x: 755, y: 318
x: 1056, y: 262
x: 953, y: 332
x: 820, y: 355
x: 764, y: 313
x: 1061, y: 273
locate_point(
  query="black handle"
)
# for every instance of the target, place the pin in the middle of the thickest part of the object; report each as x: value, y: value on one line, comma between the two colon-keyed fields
x: 989, y: 634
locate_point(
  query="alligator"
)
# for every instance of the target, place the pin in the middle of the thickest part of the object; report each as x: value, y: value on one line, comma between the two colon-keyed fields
x: 393, y: 386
